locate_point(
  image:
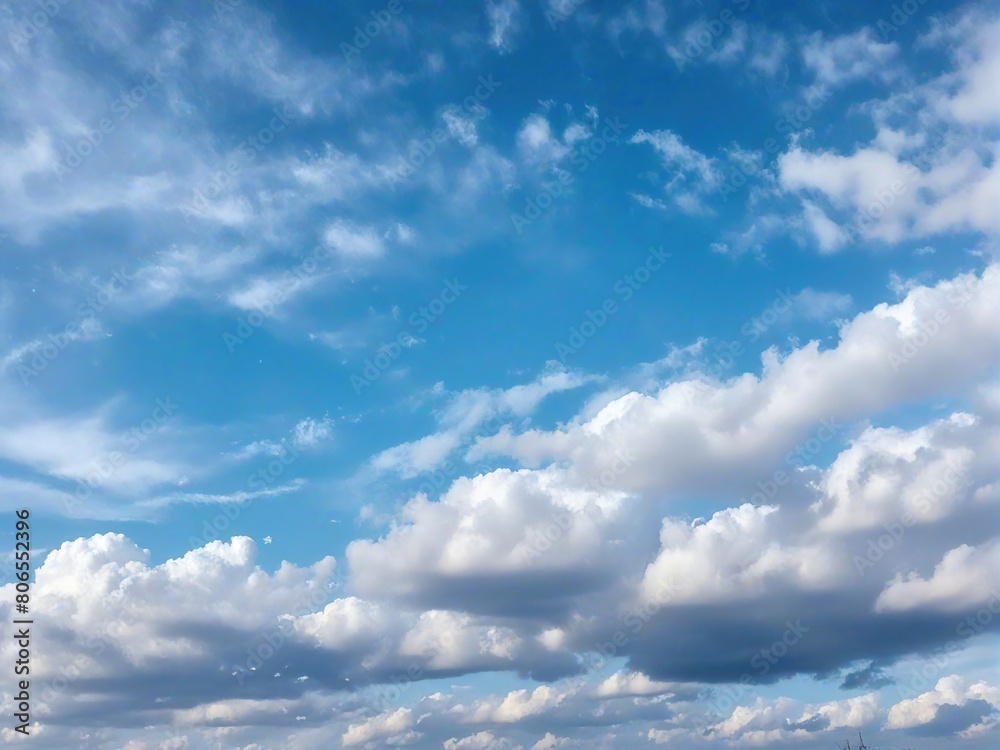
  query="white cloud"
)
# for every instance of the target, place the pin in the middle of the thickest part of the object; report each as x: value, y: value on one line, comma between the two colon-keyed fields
x: 186, y: 270
x: 887, y: 474
x: 759, y: 717
x: 686, y: 426
x: 517, y: 705
x: 848, y: 713
x: 89, y: 449
x: 354, y: 241
x: 631, y: 684
x: 966, y: 576
x: 849, y: 57
x: 309, y: 432
x: 971, y: 36
x: 466, y: 411
x: 537, y: 143
x: 103, y: 587
x: 691, y: 174
x: 829, y: 236
x: 88, y: 329
x: 550, y: 741
x: 267, y: 293
x: 480, y: 741
x: 505, y: 19
x: 766, y: 722
x: 822, y: 306
x: 488, y: 525
x: 383, y: 725
x: 931, y: 169
x: 950, y: 690
x: 460, y: 126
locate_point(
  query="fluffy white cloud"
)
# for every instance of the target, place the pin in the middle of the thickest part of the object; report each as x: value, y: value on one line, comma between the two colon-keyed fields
x: 950, y: 690
x: 518, y: 705
x: 730, y: 557
x: 631, y: 684
x: 848, y: 713
x: 966, y: 577
x: 384, y: 725
x: 763, y: 715
x: 689, y: 435
x: 768, y: 721
x: 495, y: 525
x: 310, y: 432
x: 971, y: 38
x: 550, y: 741
x: 922, y: 474
x: 930, y: 169
x: 105, y: 580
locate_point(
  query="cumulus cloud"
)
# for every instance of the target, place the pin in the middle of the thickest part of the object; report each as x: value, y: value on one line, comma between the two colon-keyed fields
x: 966, y: 577
x: 949, y: 691
x: 685, y: 426
x: 932, y: 174
x: 384, y: 725
x: 797, y: 540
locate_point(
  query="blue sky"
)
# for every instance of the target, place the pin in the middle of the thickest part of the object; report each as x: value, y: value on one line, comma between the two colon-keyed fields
x: 352, y: 304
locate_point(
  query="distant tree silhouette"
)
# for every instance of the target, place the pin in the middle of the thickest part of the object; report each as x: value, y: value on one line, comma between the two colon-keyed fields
x: 862, y: 745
